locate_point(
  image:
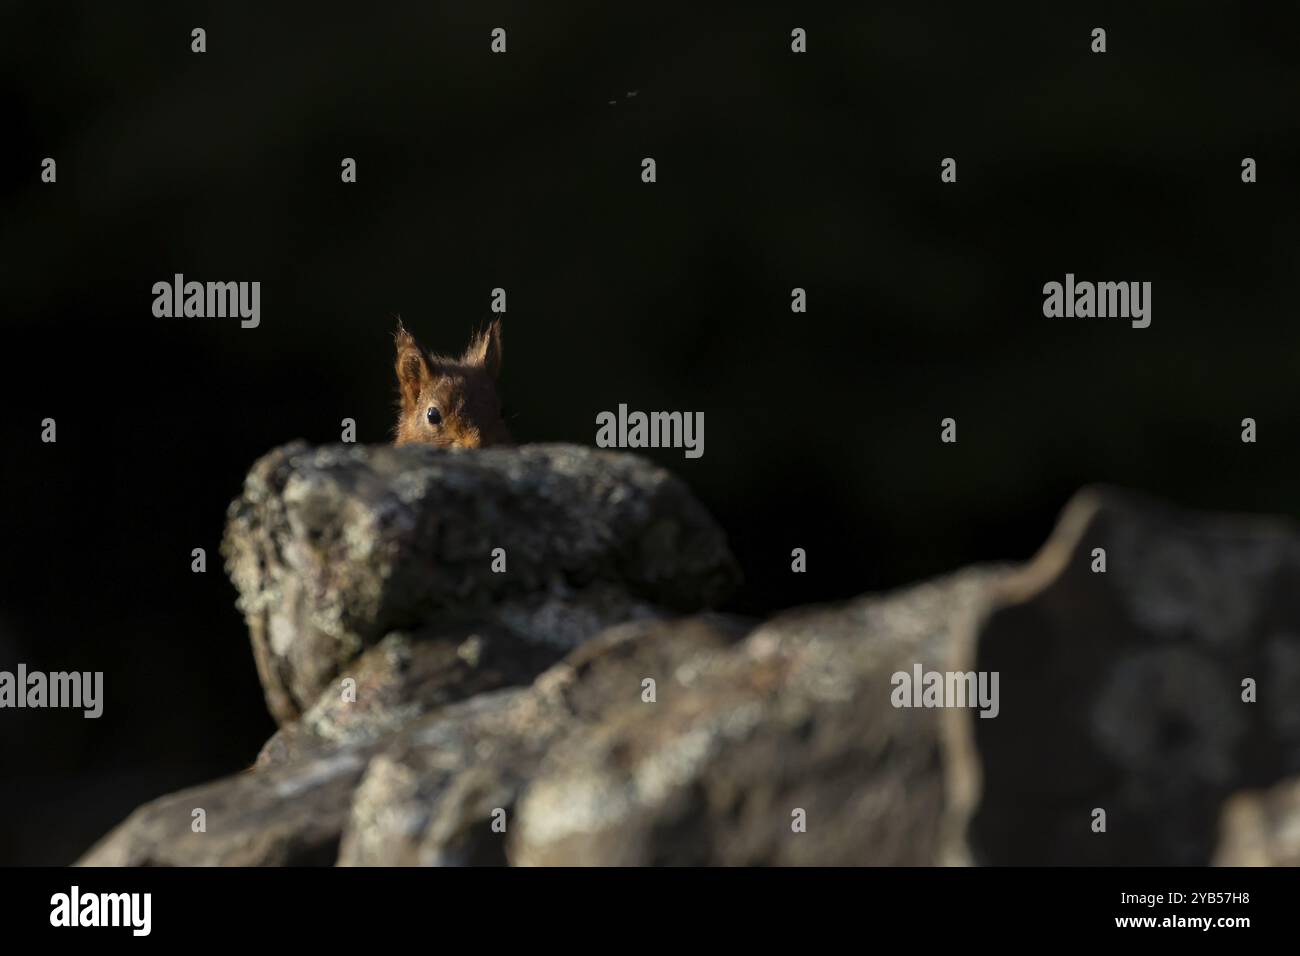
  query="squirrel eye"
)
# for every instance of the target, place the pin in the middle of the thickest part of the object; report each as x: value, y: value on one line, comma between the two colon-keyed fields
x: 434, y: 416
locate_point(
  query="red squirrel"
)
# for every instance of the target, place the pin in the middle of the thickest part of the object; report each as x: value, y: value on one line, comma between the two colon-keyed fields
x: 450, y: 402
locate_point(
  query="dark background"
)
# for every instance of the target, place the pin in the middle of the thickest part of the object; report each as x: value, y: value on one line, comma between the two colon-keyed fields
x: 475, y: 171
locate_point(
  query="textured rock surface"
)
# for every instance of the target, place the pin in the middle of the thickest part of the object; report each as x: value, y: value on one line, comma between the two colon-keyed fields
x: 796, y: 717
x: 403, y: 677
x: 435, y: 713
x: 332, y: 548
x: 430, y: 798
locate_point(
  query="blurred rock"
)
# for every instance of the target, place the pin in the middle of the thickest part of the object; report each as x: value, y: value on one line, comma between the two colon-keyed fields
x: 792, y: 724
x: 1261, y: 828
x: 433, y: 797
x: 285, y: 816
x: 1124, y: 689
x: 567, y: 713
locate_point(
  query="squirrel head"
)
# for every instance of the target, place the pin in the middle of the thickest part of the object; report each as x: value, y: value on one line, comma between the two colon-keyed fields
x: 450, y: 402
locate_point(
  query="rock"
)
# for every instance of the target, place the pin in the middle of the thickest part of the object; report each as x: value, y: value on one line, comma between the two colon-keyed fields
x: 797, y: 717
x: 284, y: 816
x: 433, y: 797
x: 405, y: 676
x: 1261, y: 828
x: 582, y: 710
x: 333, y: 548
x: 1123, y: 690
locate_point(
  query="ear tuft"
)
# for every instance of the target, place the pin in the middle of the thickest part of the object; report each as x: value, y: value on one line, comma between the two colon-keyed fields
x: 401, y: 337
x: 485, y: 349
x: 412, y: 366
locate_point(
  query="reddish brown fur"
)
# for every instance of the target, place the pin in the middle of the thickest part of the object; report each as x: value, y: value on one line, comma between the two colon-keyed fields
x: 464, y: 390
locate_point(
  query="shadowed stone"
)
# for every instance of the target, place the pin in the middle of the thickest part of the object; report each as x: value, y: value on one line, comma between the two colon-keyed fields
x: 1123, y: 690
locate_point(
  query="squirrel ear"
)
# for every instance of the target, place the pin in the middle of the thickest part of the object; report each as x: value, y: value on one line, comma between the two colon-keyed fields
x: 412, y: 366
x: 485, y: 349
